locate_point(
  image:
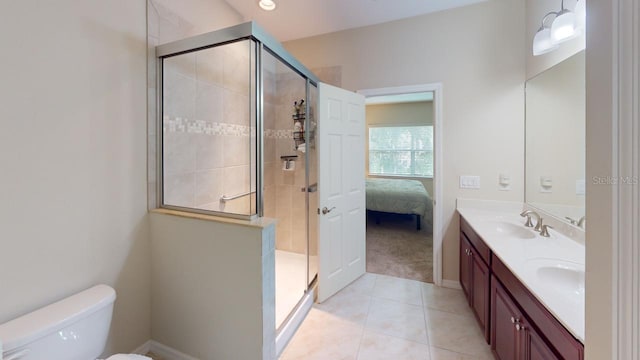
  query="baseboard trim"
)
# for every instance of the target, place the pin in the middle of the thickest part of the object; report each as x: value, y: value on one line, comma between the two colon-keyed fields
x: 166, y: 352
x: 143, y: 349
x: 286, y: 333
x: 451, y: 284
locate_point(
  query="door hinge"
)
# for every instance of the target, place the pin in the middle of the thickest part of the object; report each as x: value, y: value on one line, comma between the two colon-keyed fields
x: 318, y: 211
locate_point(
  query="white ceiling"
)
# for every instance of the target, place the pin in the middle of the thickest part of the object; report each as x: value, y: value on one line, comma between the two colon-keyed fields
x: 295, y: 19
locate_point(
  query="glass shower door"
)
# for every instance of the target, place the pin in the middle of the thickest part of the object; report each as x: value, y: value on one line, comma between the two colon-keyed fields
x: 209, y: 121
x: 285, y: 178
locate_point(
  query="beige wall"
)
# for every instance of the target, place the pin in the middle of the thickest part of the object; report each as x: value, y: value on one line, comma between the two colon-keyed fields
x: 482, y: 69
x: 536, y: 9
x: 73, y: 155
x: 413, y: 113
x: 601, y: 155
x: 213, y: 287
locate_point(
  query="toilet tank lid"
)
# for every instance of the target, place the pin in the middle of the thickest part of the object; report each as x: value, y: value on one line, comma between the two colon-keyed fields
x: 54, y: 317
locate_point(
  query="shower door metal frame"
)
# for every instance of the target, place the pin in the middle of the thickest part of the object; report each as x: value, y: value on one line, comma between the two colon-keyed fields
x: 264, y: 42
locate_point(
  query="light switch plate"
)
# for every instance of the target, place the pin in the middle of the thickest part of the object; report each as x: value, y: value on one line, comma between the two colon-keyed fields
x: 469, y: 182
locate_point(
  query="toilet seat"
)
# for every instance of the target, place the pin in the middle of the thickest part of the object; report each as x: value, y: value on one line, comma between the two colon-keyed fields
x: 128, y: 357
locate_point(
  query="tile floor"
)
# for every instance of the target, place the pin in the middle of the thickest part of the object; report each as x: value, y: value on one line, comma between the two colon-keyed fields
x: 383, y: 317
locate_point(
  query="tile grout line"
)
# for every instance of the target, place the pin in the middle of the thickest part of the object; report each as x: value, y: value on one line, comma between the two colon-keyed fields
x: 366, y: 320
x: 424, y: 319
x: 421, y: 306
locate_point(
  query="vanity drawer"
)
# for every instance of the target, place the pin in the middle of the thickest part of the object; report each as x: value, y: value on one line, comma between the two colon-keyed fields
x: 555, y: 334
x: 481, y: 248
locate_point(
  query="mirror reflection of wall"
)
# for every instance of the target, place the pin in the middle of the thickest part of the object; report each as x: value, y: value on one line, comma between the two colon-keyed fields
x: 555, y: 140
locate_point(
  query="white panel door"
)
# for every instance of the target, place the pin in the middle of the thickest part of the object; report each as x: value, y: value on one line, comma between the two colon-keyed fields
x: 341, y: 131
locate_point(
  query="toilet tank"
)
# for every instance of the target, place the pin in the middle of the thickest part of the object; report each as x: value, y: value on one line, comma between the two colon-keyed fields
x: 75, y: 328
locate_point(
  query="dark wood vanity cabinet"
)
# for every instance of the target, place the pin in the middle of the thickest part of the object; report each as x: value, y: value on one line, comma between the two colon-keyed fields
x: 512, y: 335
x: 514, y: 322
x: 475, y: 275
x: 539, y: 335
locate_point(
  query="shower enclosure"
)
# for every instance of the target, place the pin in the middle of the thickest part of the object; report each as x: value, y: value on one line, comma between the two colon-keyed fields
x: 238, y: 140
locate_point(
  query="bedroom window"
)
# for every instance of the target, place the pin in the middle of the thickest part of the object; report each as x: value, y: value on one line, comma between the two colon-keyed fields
x: 401, y: 150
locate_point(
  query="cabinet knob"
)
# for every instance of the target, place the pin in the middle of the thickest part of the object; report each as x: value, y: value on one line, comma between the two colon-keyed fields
x: 513, y: 320
x: 519, y: 327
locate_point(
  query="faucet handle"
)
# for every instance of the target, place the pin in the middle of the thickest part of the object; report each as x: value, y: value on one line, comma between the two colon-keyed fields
x: 572, y: 221
x: 528, y: 223
x: 539, y: 225
x: 526, y: 214
x: 544, y: 231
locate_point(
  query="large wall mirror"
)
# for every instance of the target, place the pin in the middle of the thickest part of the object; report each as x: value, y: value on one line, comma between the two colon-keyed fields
x: 555, y: 140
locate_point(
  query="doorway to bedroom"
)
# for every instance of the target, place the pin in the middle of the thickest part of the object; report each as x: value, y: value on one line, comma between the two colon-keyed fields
x: 400, y: 172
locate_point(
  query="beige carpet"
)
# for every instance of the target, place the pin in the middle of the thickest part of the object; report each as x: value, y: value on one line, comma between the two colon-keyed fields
x: 395, y: 248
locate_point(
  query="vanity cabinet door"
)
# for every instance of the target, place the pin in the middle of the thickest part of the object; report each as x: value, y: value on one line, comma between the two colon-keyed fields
x: 504, y: 318
x: 474, y: 279
x: 533, y: 346
x: 480, y: 298
x: 465, y: 267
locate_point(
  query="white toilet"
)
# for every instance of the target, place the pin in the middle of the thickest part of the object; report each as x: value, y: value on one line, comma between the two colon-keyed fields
x: 75, y: 328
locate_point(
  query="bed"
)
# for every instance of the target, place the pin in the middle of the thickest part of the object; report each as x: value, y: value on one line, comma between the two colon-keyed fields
x: 399, y: 196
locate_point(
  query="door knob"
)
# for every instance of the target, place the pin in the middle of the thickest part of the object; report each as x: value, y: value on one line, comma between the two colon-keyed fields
x: 325, y: 211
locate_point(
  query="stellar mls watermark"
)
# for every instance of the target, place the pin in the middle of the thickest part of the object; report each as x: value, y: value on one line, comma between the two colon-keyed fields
x: 615, y: 180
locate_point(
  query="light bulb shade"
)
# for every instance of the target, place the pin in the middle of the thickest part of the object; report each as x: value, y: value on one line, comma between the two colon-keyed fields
x: 542, y: 43
x: 563, y: 27
x: 267, y: 5
x: 581, y: 14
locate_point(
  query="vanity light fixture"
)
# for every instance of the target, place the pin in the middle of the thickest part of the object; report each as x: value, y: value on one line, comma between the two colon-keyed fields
x: 542, y: 43
x: 267, y: 5
x: 581, y: 14
x: 565, y: 26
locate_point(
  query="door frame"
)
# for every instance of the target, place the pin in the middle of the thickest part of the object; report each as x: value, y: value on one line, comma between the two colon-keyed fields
x: 438, y: 231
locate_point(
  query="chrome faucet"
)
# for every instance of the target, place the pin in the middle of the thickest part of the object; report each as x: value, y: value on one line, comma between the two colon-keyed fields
x: 528, y: 223
x: 544, y: 230
x: 579, y: 223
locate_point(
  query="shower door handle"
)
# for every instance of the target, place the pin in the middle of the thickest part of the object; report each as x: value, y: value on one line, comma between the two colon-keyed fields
x: 325, y: 211
x: 312, y: 188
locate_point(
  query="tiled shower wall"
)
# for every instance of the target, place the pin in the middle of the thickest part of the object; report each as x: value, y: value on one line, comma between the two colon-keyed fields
x: 283, y: 198
x: 165, y: 25
x: 206, y: 127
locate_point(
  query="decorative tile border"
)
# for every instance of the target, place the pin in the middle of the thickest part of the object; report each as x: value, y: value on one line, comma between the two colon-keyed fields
x: 278, y: 134
x: 214, y: 128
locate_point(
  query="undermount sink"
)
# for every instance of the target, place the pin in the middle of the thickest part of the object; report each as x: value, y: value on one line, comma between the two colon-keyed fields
x: 563, y: 276
x: 509, y: 229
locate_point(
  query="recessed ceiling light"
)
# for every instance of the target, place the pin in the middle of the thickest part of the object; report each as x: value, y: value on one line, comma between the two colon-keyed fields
x: 267, y: 5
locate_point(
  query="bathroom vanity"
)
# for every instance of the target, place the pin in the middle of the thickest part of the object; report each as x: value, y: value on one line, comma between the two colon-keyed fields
x: 526, y: 291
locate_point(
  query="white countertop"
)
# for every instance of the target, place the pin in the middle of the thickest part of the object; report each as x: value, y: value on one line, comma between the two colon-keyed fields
x: 551, y: 268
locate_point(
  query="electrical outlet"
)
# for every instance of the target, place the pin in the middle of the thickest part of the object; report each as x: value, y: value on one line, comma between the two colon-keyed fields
x: 469, y: 182
x: 504, y: 182
x: 546, y: 184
